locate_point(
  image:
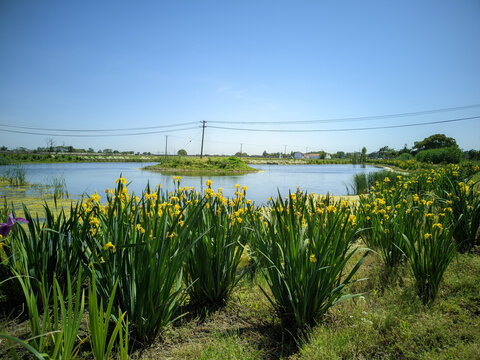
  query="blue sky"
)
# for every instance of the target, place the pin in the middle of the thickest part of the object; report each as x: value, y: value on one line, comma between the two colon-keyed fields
x: 119, y: 64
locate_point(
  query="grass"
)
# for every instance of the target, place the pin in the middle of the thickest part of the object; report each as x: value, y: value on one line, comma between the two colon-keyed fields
x: 362, y: 182
x: 391, y: 323
x: 388, y: 322
x: 59, y: 187
x: 197, y: 166
x: 15, y: 176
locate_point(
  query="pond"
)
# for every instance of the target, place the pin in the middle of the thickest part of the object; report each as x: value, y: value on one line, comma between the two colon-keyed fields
x: 83, y: 178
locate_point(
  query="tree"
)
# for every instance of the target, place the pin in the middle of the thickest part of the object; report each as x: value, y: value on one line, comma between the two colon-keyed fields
x: 50, y: 144
x: 363, y: 157
x: 182, y: 152
x: 473, y: 154
x: 386, y: 153
x: 265, y: 154
x: 405, y: 150
x: 355, y: 158
x: 436, y: 141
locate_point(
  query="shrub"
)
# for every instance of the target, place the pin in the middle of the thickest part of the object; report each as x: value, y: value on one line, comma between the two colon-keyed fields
x: 302, y: 248
x: 450, y: 155
x: 404, y: 157
x: 141, y: 243
x: 429, y: 248
x: 211, y: 266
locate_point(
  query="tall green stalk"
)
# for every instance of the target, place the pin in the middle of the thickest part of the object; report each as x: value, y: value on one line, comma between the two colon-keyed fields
x: 303, y: 247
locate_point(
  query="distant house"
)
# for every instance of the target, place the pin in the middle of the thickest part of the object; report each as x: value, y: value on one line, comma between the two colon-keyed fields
x: 328, y: 156
x: 297, y: 155
x: 312, y: 156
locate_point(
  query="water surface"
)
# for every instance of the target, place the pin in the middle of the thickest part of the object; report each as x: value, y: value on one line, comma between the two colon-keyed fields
x: 83, y: 178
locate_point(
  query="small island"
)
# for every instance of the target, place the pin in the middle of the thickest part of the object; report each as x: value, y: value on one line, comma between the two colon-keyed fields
x: 202, y: 166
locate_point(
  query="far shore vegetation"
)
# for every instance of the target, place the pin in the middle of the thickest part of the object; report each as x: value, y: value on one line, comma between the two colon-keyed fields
x: 197, y: 166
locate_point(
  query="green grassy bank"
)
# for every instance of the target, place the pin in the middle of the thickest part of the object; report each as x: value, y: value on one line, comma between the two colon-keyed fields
x: 197, y: 166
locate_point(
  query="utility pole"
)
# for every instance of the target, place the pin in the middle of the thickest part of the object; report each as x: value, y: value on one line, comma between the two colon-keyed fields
x: 241, y: 149
x: 285, y: 152
x: 166, y: 142
x: 203, y: 134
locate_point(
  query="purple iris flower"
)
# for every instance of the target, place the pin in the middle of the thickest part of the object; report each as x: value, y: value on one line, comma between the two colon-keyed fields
x: 6, y: 228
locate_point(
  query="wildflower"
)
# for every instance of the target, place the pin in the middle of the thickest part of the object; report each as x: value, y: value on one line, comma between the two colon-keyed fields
x: 427, y: 236
x: 121, y: 180
x: 313, y: 258
x: 209, y: 183
x: 352, y: 219
x: 437, y: 225
x: 5, y: 228
x: 331, y: 208
x: 140, y: 228
x: 95, y: 197
x: 108, y: 246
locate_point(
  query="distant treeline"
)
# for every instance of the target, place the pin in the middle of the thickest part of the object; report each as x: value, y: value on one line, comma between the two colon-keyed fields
x: 435, y: 149
x: 62, y: 149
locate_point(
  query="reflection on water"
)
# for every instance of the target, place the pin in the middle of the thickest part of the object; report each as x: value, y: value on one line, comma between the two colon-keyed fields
x: 83, y: 178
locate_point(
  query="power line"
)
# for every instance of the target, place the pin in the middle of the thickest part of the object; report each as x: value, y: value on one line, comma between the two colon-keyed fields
x: 100, y: 130
x: 97, y: 135
x: 348, y: 129
x: 374, y: 117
